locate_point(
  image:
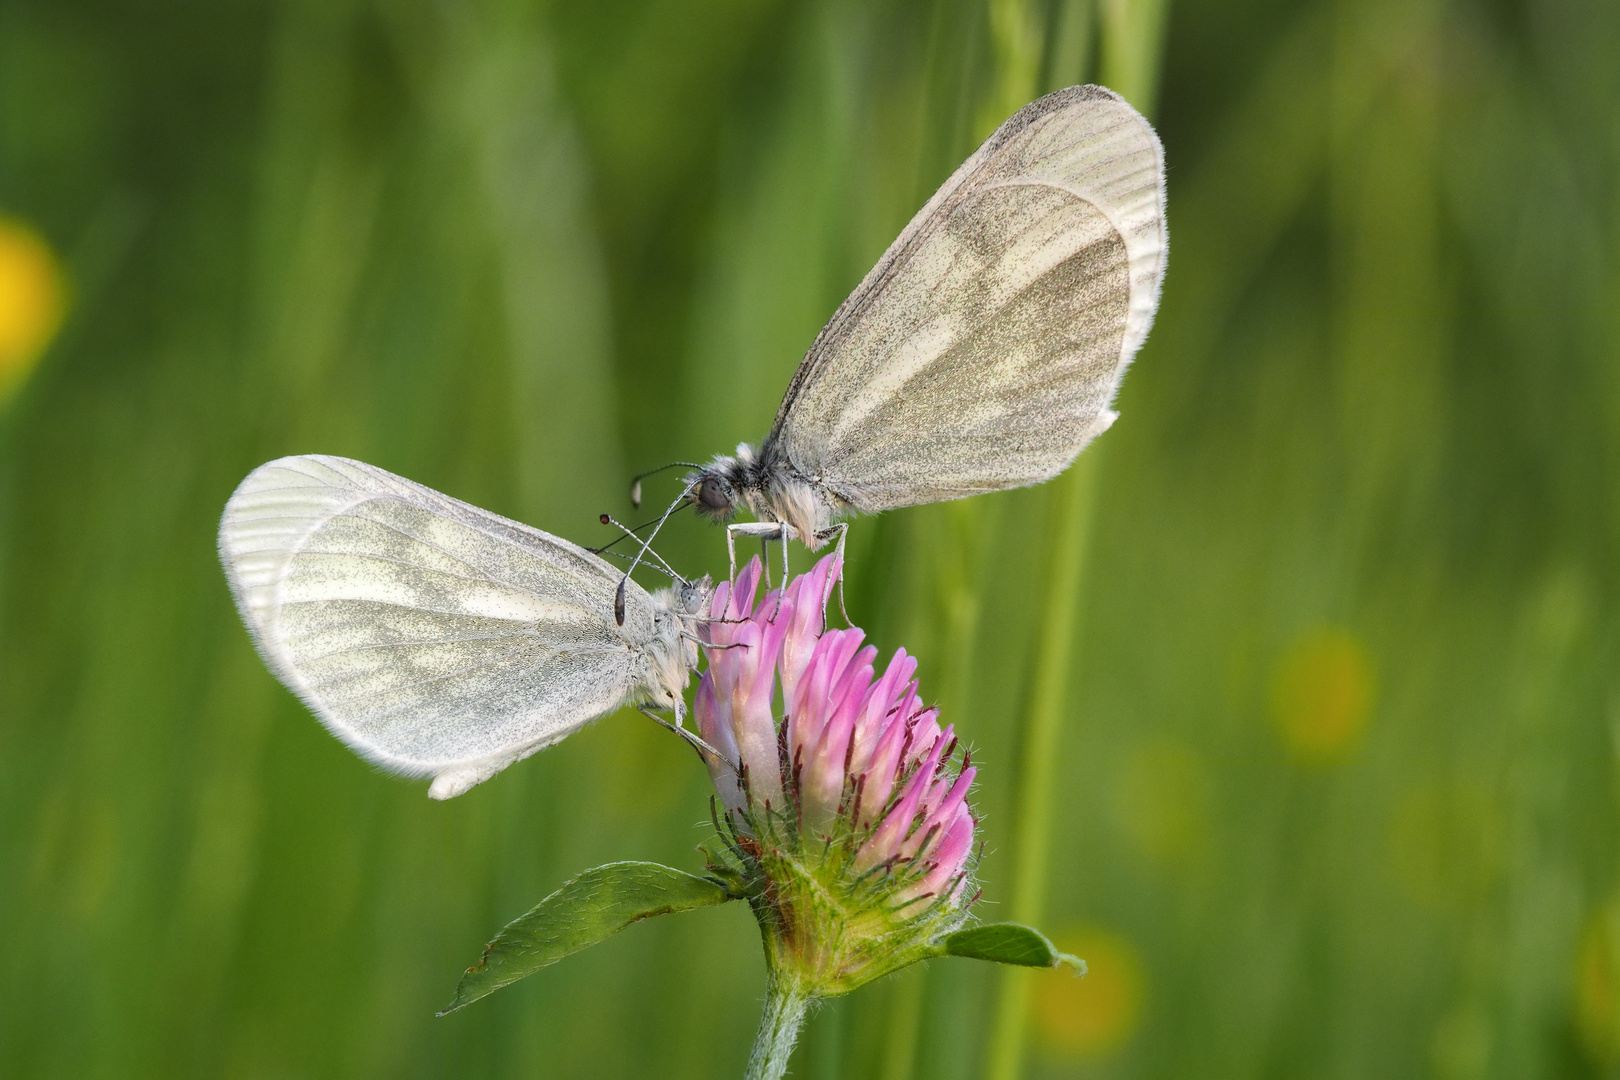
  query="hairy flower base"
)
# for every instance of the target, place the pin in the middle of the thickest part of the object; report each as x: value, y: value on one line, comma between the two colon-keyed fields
x: 826, y: 929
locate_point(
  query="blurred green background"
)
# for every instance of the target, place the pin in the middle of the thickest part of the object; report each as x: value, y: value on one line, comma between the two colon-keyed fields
x: 1297, y: 701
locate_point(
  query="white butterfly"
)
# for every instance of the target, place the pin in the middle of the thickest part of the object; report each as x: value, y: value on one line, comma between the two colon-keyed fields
x: 434, y: 638
x: 985, y: 348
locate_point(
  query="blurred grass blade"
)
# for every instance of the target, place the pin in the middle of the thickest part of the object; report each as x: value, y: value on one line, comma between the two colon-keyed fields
x: 591, y: 908
x: 1009, y: 943
x: 1130, y: 44
x: 1132, y: 40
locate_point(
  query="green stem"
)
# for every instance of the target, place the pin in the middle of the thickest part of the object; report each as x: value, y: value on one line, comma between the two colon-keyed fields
x: 785, y: 1007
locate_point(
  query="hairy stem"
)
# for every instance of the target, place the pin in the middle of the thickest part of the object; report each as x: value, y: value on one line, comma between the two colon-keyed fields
x: 785, y: 1006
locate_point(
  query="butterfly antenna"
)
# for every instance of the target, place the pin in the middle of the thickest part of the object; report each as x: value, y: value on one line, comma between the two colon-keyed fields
x: 628, y: 534
x: 646, y: 545
x: 635, y: 481
x: 660, y: 569
x: 607, y: 519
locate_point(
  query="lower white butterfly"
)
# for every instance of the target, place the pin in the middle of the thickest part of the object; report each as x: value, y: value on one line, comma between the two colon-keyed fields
x: 434, y: 638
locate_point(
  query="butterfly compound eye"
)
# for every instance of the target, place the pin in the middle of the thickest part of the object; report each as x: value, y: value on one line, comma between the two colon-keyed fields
x: 714, y: 497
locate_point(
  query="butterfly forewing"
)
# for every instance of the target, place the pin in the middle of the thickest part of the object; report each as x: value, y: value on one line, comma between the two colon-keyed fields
x: 424, y: 632
x: 984, y: 349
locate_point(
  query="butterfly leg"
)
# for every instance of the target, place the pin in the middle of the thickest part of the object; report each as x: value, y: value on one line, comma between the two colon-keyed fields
x: 765, y: 530
x: 842, y: 529
x: 784, y: 532
x: 708, y: 753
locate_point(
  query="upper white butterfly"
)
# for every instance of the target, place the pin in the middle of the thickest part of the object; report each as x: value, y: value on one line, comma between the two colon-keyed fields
x: 435, y: 638
x: 985, y: 348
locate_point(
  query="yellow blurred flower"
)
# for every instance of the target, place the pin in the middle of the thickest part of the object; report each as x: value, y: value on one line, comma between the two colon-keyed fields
x: 33, y: 300
x: 1321, y: 696
x: 1093, y: 1016
x: 1597, y: 986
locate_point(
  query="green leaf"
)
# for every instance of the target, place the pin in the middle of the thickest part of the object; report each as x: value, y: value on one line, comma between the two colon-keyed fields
x: 1009, y: 943
x: 590, y: 908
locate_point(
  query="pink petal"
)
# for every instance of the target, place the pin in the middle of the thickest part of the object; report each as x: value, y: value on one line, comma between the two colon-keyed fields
x: 923, y: 728
x: 896, y: 824
x: 947, y: 859
x: 742, y: 592
x: 884, y: 698
x: 714, y: 726
x: 822, y: 786
x: 884, y: 766
x: 813, y: 705
x: 809, y: 593
x: 717, y: 600
x: 951, y: 802
x: 753, y: 721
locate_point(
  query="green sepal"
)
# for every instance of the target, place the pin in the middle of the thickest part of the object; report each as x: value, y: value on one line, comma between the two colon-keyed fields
x: 1008, y: 943
x: 587, y: 909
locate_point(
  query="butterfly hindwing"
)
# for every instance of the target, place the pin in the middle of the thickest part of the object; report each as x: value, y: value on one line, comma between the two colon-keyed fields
x: 429, y: 635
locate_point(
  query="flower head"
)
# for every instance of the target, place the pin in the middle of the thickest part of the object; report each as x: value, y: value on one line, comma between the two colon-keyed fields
x: 847, y: 820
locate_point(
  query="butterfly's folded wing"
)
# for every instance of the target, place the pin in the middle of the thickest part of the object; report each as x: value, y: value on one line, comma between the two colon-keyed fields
x: 432, y: 637
x: 985, y: 348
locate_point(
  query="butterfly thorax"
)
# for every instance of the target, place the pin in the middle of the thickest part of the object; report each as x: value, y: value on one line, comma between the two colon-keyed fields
x: 769, y: 486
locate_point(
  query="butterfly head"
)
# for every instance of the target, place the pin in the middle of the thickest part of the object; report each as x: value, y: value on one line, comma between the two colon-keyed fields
x: 692, y: 597
x: 720, y: 486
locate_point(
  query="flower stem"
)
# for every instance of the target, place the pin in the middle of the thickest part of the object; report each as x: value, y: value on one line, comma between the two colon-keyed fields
x: 785, y: 1006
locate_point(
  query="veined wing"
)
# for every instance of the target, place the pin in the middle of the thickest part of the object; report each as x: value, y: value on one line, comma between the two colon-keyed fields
x: 432, y: 637
x: 984, y: 349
